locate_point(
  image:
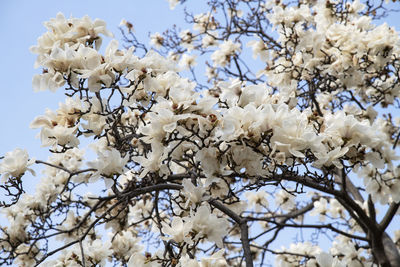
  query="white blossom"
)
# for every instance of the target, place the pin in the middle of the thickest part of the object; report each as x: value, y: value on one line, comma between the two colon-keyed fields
x: 173, y: 3
x: 226, y: 50
x: 271, y: 146
x: 108, y: 163
x: 209, y: 225
x: 285, y: 200
x: 15, y: 163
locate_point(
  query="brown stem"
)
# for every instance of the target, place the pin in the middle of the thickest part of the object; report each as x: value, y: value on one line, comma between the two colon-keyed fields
x: 244, y: 229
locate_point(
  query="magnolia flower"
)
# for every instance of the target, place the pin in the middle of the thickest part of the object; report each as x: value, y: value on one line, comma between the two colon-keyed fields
x: 71, y: 159
x: 173, y: 3
x: 49, y: 80
x: 108, y: 163
x: 186, y: 261
x: 182, y: 96
x: 206, y: 157
x: 178, y: 229
x: 292, y: 133
x: 215, y: 260
x: 15, y: 163
x: 347, y: 130
x: 19, y: 216
x: 378, y: 190
x: 306, y: 248
x: 59, y: 135
x: 73, y: 31
x: 259, y: 49
x: 320, y: 209
x: 245, y: 157
x: 157, y: 40
x: 187, y: 61
x: 336, y: 209
x: 152, y: 162
x: 59, y: 128
x: 101, y: 76
x: 125, y: 243
x: 225, y: 51
x: 96, y: 123
x: 209, y: 40
x: 285, y: 200
x: 127, y: 24
x: 352, y: 255
x: 141, y: 209
x: 258, y: 199
x: 97, y: 251
x: 61, y: 59
x: 330, y: 158
x: 119, y: 60
x: 26, y: 255
x: 187, y: 39
x: 204, y: 21
x: 209, y: 225
x: 193, y: 194
x: 138, y: 259
x: 326, y: 260
x: 211, y: 73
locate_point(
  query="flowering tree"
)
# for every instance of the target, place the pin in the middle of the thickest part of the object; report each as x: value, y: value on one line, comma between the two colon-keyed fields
x: 214, y: 171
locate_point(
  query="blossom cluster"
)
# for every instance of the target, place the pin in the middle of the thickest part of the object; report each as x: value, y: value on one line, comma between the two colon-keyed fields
x: 190, y: 171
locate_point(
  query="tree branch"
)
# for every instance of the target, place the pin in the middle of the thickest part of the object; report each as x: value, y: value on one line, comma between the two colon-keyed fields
x: 244, y: 229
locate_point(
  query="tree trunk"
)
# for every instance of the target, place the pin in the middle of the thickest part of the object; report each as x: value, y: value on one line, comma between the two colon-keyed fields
x: 391, y: 251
